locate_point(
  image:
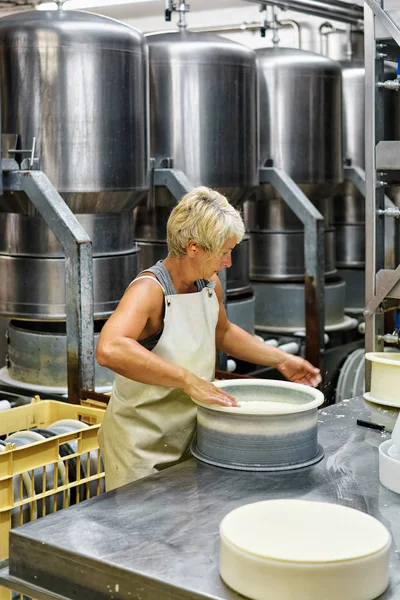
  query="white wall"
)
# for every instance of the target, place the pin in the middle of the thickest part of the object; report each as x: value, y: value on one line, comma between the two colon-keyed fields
x: 149, y: 17
x: 249, y: 13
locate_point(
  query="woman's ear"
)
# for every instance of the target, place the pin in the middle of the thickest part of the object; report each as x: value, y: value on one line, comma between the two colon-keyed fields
x: 192, y: 248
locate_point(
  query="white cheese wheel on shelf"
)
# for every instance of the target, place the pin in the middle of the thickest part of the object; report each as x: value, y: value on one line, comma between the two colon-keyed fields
x: 296, y: 549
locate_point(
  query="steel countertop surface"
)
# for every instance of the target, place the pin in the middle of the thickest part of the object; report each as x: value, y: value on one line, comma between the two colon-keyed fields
x: 158, y: 538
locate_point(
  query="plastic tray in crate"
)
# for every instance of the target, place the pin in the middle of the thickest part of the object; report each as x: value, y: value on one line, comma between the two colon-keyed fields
x: 46, y: 469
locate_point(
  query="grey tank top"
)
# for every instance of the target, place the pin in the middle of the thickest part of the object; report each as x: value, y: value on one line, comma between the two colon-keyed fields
x: 161, y: 273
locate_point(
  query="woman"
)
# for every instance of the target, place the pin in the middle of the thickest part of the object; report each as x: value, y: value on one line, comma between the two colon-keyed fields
x: 161, y: 342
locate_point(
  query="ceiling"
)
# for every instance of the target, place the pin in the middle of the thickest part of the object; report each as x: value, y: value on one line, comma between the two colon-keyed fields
x: 134, y: 9
x: 147, y: 9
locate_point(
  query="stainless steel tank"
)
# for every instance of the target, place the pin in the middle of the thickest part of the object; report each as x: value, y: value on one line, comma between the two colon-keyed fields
x: 203, y: 116
x: 300, y: 131
x: 37, y: 357
x: 203, y: 98
x: 77, y: 84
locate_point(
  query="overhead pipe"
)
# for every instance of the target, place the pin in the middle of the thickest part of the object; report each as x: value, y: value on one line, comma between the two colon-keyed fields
x: 251, y: 27
x: 327, y: 29
x: 333, y: 9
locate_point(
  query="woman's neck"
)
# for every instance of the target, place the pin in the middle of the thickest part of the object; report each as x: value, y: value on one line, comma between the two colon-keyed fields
x: 182, y: 274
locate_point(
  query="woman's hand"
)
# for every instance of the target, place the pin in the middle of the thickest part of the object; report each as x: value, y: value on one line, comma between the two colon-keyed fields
x: 299, y: 370
x: 205, y: 392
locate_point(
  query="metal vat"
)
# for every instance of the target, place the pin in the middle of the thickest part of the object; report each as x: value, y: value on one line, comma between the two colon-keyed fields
x: 300, y: 132
x: 241, y: 311
x: 37, y: 357
x: 76, y: 82
x: 280, y: 305
x: 203, y: 121
x: 203, y: 115
x: 74, y: 88
x: 300, y: 117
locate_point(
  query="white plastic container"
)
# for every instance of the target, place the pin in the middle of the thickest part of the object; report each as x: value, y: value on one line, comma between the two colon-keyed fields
x: 296, y: 549
x: 385, y: 377
x: 382, y: 414
x: 389, y: 468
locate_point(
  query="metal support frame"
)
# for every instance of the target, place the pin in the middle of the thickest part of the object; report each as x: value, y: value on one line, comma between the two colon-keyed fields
x: 77, y: 247
x: 378, y: 281
x: 385, y: 20
x: 314, y: 258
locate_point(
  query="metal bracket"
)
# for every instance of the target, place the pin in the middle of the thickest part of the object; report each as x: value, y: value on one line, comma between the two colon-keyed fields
x: 27, y: 163
x: 388, y: 155
x: 314, y: 257
x: 357, y: 176
x: 386, y: 281
x: 173, y: 179
x: 77, y: 247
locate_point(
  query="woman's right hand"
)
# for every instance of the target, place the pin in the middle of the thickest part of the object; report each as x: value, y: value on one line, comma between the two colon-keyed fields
x: 205, y: 392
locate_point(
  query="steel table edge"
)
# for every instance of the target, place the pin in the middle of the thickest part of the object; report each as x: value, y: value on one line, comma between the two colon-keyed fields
x: 17, y: 585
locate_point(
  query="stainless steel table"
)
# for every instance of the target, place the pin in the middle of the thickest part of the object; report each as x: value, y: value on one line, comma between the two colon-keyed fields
x: 157, y: 539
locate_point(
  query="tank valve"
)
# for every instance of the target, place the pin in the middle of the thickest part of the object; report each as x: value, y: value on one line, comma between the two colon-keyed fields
x: 390, y: 338
x: 180, y: 7
x: 392, y: 84
x: 392, y: 211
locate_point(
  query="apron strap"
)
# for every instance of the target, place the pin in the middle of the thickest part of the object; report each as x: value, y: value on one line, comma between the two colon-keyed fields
x: 152, y: 279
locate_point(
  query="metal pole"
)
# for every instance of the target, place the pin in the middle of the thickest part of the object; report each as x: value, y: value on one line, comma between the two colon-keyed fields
x: 314, y: 258
x: 78, y: 275
x: 334, y: 9
x: 374, y: 197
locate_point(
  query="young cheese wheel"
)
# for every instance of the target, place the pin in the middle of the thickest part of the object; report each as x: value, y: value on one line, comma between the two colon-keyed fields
x: 304, y: 550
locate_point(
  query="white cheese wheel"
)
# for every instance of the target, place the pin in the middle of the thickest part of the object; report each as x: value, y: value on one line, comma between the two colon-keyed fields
x: 305, y: 550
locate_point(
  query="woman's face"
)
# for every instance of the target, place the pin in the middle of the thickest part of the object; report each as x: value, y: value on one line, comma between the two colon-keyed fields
x: 211, y: 264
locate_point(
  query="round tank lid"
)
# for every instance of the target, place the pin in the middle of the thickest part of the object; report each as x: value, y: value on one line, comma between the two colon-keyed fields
x: 200, y: 47
x: 32, y: 28
x: 294, y: 58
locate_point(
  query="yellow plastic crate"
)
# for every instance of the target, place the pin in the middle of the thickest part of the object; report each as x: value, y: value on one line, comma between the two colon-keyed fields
x: 65, y: 474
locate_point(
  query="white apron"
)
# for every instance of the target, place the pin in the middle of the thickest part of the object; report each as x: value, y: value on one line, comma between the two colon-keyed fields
x: 148, y: 428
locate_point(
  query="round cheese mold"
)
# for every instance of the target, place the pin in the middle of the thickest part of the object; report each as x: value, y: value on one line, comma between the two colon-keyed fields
x: 304, y: 550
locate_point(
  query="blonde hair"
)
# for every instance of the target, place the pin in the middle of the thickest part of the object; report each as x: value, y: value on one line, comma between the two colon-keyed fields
x: 205, y: 216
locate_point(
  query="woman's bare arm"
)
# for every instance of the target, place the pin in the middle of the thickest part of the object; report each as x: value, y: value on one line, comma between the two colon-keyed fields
x: 119, y: 350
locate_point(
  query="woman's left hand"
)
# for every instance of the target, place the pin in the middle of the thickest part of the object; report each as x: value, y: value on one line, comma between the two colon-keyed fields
x: 299, y: 370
